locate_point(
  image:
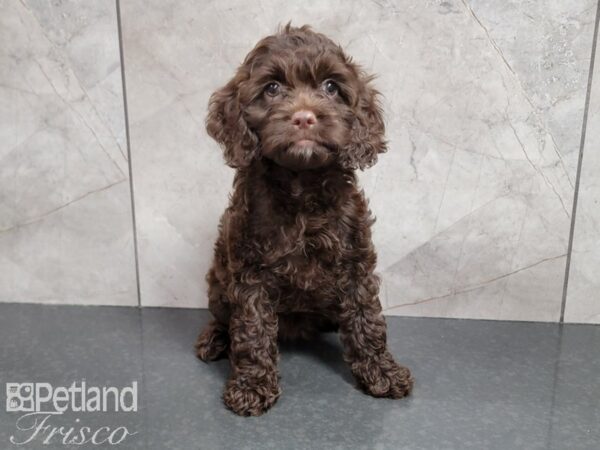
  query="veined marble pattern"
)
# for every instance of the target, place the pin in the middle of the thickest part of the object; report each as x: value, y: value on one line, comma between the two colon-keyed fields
x: 547, y: 45
x: 494, y: 173
x: 65, y: 211
x: 484, y: 105
x: 583, y: 294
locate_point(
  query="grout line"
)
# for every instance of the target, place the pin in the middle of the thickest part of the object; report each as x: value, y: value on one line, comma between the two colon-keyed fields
x: 126, y: 113
x: 555, y: 375
x: 579, y: 164
x: 143, y: 386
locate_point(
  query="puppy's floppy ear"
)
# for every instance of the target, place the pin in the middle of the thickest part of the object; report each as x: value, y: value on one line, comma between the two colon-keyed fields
x: 226, y: 124
x: 367, y: 137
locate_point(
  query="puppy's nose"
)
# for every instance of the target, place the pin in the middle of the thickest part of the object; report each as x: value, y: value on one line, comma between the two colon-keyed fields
x: 303, y: 119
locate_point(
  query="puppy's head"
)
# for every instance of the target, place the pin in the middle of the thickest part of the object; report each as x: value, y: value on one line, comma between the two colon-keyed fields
x: 298, y: 100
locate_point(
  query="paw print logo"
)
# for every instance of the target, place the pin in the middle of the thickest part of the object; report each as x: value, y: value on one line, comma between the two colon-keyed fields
x: 19, y: 397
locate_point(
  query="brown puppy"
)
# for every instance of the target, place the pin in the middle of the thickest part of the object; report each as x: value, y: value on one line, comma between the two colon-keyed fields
x: 294, y: 255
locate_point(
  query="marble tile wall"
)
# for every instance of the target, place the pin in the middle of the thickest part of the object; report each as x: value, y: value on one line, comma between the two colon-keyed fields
x: 583, y: 294
x: 484, y: 105
x: 510, y: 109
x: 65, y: 207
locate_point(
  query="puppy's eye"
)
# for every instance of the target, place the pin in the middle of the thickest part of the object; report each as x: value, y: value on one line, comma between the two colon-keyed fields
x: 272, y: 89
x: 330, y: 87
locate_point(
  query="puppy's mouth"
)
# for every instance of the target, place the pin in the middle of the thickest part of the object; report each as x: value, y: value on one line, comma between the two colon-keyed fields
x: 304, y: 154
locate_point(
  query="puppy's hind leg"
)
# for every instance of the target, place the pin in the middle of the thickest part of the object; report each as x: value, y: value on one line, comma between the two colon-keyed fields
x: 213, y: 342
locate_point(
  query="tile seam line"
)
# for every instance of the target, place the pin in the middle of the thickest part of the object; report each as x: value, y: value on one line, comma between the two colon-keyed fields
x: 579, y: 165
x: 130, y: 162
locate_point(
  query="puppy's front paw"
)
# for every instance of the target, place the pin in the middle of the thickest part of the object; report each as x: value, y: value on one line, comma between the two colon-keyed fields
x: 250, y: 398
x: 382, y: 377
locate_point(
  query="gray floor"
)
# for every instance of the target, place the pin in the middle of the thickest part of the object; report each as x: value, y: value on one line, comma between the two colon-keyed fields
x: 480, y: 385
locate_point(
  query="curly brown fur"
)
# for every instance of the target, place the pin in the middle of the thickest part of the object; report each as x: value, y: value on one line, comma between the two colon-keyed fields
x: 294, y: 256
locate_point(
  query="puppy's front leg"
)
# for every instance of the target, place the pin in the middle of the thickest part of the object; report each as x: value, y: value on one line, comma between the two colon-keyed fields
x: 363, y: 335
x: 253, y: 385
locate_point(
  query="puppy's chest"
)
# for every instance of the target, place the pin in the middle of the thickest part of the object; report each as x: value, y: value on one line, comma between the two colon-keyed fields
x: 309, y: 252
